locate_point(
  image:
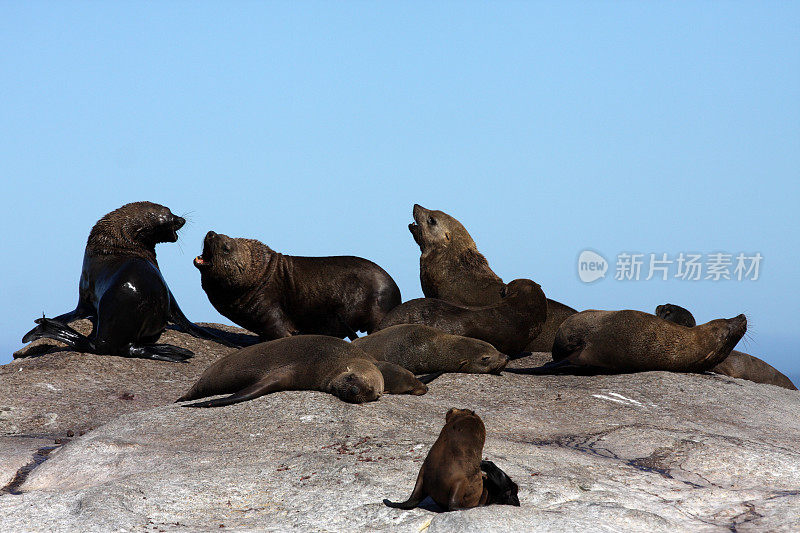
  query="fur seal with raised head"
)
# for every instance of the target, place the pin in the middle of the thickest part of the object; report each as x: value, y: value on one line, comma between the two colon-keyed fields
x: 423, y: 349
x: 301, y: 362
x: 451, y: 473
x: 276, y: 295
x: 452, y: 269
x: 121, y: 289
x: 633, y: 341
x: 509, y: 325
x: 738, y: 364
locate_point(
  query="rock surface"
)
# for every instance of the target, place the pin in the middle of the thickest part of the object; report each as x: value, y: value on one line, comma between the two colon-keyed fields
x: 639, y: 452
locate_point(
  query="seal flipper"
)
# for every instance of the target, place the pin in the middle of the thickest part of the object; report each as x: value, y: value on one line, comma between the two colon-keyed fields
x: 49, y: 328
x: 351, y: 333
x: 275, y: 381
x: 427, y: 378
x: 519, y: 355
x: 416, y: 496
x: 159, y: 352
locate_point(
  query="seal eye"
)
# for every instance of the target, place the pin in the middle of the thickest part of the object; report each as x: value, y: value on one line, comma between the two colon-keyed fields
x: 431, y: 221
x: 485, y: 359
x: 226, y: 248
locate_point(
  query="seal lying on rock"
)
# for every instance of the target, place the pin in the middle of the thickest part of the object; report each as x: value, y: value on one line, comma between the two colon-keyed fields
x: 451, y: 473
x: 301, y: 362
x: 276, y: 295
x: 737, y: 364
x: 509, y: 325
x: 633, y: 341
x: 452, y: 269
x: 423, y: 349
x: 121, y: 289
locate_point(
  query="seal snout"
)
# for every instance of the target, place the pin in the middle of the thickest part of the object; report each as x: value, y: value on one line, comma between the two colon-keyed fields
x: 178, y: 222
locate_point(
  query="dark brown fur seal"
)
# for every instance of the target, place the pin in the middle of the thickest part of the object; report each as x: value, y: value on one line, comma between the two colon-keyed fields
x: 276, y: 295
x: 121, y: 289
x: 423, y: 349
x: 509, y: 325
x: 633, y: 341
x: 451, y: 473
x: 302, y: 362
x: 557, y: 313
x: 451, y: 268
x: 737, y: 364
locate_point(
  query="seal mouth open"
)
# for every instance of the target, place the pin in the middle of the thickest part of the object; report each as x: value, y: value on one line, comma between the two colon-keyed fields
x: 200, y: 262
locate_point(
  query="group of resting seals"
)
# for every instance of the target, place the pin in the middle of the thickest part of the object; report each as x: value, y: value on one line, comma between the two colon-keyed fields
x: 301, y: 308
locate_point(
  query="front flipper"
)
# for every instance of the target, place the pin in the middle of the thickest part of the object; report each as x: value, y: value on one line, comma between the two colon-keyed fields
x: 275, y: 381
x: 427, y: 378
x: 49, y: 328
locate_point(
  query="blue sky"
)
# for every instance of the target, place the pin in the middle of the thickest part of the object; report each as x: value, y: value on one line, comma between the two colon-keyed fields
x: 546, y: 128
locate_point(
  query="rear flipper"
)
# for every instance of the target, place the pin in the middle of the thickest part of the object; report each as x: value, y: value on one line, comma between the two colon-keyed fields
x: 519, y: 355
x: 158, y: 352
x: 276, y: 380
x: 50, y: 329
x: 564, y: 366
x: 427, y: 378
x: 416, y: 497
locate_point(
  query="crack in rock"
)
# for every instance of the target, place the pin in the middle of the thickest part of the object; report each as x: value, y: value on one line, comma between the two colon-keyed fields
x: 40, y: 456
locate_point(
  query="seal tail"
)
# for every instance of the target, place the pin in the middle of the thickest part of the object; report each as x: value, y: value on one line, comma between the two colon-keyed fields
x: 49, y: 328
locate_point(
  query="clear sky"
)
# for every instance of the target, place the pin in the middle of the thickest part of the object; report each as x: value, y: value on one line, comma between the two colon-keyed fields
x: 546, y: 128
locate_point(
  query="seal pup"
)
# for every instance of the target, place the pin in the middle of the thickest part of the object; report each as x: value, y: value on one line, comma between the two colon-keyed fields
x: 121, y: 289
x: 509, y: 325
x: 423, y: 349
x: 276, y: 295
x: 452, y: 269
x: 451, y: 473
x: 738, y: 364
x: 633, y: 341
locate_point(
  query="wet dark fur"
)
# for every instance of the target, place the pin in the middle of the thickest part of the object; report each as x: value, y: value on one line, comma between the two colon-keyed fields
x: 121, y: 289
x: 509, y: 325
x: 737, y: 364
x: 276, y: 295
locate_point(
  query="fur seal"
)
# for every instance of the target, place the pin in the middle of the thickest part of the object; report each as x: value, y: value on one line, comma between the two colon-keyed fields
x: 276, y: 295
x: 633, y: 341
x: 423, y: 349
x: 300, y: 362
x: 509, y: 325
x: 451, y: 473
x: 737, y: 364
x: 452, y: 269
x: 450, y: 266
x: 121, y: 289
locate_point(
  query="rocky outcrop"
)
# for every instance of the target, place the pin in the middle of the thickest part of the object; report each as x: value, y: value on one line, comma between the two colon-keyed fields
x: 652, y: 451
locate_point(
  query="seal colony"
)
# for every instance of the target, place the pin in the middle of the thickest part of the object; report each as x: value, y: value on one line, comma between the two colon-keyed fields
x: 301, y: 308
